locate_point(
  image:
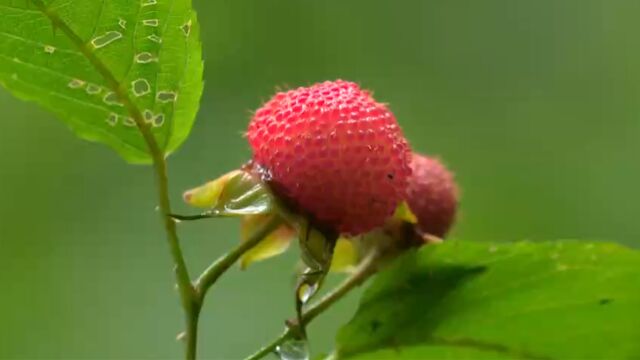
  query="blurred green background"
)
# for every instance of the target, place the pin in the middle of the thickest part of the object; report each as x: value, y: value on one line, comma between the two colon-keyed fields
x: 534, y: 104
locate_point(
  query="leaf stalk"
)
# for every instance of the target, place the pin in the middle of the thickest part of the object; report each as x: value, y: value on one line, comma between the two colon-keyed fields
x: 365, y: 269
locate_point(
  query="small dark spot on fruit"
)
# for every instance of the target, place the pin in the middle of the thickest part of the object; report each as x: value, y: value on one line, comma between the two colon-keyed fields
x: 390, y: 176
x: 605, y: 301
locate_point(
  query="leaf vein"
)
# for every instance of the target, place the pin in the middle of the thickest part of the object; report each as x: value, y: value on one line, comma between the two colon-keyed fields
x: 33, y: 42
x: 485, y: 347
x: 40, y: 68
x: 97, y: 22
x: 63, y: 96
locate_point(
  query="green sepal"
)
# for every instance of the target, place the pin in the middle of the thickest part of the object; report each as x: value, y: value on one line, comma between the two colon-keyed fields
x: 346, y: 256
x: 272, y: 245
x: 403, y: 212
x: 237, y: 193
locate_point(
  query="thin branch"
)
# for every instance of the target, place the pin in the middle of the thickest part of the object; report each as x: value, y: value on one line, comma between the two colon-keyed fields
x: 215, y: 270
x: 269, y: 349
x: 191, y: 217
x: 365, y: 269
x: 187, y: 294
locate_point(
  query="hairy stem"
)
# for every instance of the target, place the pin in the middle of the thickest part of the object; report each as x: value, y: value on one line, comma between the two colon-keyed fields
x: 191, y: 295
x: 187, y: 293
x: 215, y: 270
x: 365, y: 269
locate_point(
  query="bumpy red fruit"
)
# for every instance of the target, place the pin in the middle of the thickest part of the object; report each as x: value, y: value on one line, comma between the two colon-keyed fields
x: 432, y: 195
x: 334, y: 153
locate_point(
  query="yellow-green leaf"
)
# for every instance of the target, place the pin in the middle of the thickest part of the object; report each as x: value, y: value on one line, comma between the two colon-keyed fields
x: 207, y: 195
x: 274, y: 244
x: 237, y: 193
x: 404, y: 213
x: 345, y: 256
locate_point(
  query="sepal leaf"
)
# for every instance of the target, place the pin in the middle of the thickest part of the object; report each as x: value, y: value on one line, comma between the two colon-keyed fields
x: 345, y: 256
x: 208, y: 195
x: 403, y: 213
x: 237, y: 193
x: 274, y: 244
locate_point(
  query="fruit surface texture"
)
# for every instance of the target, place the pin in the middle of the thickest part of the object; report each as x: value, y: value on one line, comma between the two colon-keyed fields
x: 334, y: 153
x: 432, y: 195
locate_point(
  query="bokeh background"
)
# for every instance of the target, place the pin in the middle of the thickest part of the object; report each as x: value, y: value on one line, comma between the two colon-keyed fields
x: 534, y: 104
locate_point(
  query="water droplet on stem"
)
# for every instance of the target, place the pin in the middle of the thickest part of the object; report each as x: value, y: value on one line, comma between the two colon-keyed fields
x: 295, y: 349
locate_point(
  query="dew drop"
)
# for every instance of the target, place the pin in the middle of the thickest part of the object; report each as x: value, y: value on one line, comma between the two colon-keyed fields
x: 186, y: 28
x: 93, y: 89
x: 122, y: 23
x: 293, y: 350
x: 307, y: 291
x: 76, y: 83
x: 166, y: 96
x: 106, y: 39
x: 151, y: 22
x: 181, y: 336
x: 111, y: 99
x: 149, y: 2
x: 140, y: 87
x: 155, y: 38
x: 49, y: 49
x: 145, y: 57
x: 112, y: 119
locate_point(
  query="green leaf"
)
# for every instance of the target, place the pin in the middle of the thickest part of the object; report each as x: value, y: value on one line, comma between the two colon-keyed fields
x: 526, y: 300
x: 439, y: 352
x: 101, y: 64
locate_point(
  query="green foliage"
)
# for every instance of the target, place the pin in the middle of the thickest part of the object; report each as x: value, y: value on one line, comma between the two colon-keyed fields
x: 99, y: 65
x: 525, y: 300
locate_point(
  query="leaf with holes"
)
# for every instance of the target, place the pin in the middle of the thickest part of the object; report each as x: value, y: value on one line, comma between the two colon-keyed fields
x: 107, y: 66
x: 564, y: 300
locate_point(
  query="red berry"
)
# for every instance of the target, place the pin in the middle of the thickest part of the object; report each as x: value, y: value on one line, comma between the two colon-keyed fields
x: 334, y: 153
x: 432, y: 195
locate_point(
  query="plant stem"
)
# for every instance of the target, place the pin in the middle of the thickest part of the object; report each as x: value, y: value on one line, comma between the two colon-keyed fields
x: 191, y: 296
x: 188, y: 297
x: 365, y: 269
x: 222, y: 264
x: 187, y: 293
